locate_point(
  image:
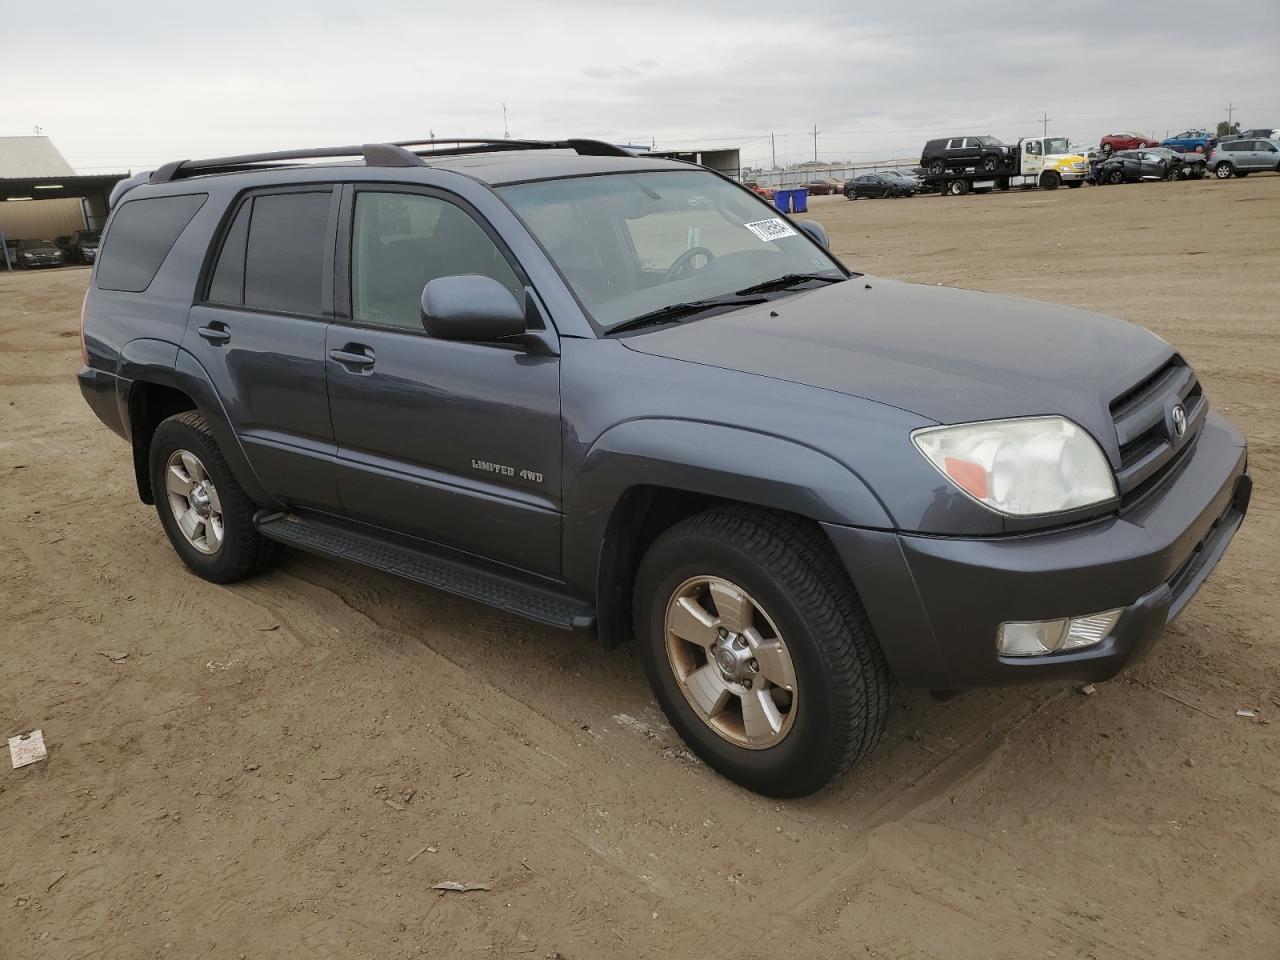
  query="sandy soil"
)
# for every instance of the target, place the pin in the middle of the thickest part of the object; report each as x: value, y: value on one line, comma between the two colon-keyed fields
x: 284, y: 768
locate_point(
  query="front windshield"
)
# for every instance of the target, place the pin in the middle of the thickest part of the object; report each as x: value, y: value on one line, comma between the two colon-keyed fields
x: 1057, y: 145
x: 990, y: 142
x: 631, y: 244
x: 34, y: 244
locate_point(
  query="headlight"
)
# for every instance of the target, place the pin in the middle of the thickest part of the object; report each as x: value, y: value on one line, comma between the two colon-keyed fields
x: 1020, y: 468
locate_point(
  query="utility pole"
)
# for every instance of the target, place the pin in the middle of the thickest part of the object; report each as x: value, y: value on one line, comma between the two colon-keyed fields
x: 1046, y: 125
x: 1231, y: 108
x: 506, y: 134
x: 815, y: 143
x: 773, y: 150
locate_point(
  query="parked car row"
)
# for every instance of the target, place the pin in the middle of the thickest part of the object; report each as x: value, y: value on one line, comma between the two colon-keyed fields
x: 78, y: 247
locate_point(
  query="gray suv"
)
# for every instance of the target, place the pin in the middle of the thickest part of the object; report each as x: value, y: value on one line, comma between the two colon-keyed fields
x: 1240, y: 158
x: 624, y: 396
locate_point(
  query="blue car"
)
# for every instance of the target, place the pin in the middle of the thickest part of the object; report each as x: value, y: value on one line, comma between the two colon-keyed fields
x: 1191, y: 141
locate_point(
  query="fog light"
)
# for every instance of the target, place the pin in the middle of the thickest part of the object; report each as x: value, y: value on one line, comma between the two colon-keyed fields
x: 1034, y: 638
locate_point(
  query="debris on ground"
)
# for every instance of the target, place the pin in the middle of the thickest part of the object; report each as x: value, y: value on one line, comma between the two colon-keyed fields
x: 416, y: 854
x: 1247, y: 714
x: 455, y: 886
x: 115, y: 656
x: 1088, y: 690
x: 27, y: 748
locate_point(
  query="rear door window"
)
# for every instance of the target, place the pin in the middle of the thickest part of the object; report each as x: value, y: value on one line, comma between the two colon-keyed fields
x: 227, y: 285
x: 142, y: 234
x: 284, y: 252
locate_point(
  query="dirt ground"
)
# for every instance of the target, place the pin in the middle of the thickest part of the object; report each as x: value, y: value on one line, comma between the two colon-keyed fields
x: 283, y: 768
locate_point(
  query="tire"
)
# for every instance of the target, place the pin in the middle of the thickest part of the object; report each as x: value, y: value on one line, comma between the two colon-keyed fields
x: 1223, y: 170
x: 937, y: 168
x: 990, y: 163
x: 1115, y: 176
x: 241, y: 552
x: 1172, y: 175
x: 850, y: 195
x: 1050, y: 180
x: 1107, y: 150
x: 796, y: 589
x: 1073, y: 184
x: 957, y: 188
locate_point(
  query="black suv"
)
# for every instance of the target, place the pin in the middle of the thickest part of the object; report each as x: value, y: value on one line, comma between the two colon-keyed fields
x: 986, y: 154
x: 624, y: 396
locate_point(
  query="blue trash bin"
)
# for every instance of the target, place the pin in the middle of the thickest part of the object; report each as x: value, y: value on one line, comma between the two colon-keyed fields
x: 800, y: 200
x: 782, y: 200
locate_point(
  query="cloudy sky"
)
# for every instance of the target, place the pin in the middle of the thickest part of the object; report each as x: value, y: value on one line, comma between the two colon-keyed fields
x: 126, y: 85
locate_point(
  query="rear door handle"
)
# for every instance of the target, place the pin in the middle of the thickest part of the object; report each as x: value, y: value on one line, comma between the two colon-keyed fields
x: 353, y: 355
x: 216, y: 332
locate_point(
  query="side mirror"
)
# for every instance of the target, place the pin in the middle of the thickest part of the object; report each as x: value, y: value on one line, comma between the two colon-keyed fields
x: 470, y: 307
x: 816, y: 232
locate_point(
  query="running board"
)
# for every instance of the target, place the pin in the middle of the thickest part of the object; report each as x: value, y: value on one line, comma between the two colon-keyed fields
x: 448, y: 572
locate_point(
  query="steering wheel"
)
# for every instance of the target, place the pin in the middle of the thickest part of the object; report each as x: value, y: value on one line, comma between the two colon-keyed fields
x: 680, y: 266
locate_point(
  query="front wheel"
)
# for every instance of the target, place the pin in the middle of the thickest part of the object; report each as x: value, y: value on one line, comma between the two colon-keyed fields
x: 1223, y: 171
x: 937, y: 168
x: 759, y: 651
x: 1050, y: 180
x: 208, y: 517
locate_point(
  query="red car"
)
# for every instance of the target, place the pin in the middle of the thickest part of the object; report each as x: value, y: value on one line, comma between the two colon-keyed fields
x: 766, y: 192
x: 1125, y: 141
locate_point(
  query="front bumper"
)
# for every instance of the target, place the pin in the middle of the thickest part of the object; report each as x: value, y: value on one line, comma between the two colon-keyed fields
x: 936, y: 603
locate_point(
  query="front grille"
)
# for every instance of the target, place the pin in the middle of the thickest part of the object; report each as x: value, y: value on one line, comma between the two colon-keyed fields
x: 1150, y: 447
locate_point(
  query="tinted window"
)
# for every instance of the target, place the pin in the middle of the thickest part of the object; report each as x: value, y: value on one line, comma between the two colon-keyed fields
x: 285, y: 252
x: 400, y: 241
x: 141, y: 236
x: 227, y: 285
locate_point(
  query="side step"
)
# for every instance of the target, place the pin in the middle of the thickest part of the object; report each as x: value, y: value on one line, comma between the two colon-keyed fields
x: 449, y: 572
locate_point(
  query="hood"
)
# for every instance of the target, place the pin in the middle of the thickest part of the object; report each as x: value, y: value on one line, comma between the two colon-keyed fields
x: 942, y: 353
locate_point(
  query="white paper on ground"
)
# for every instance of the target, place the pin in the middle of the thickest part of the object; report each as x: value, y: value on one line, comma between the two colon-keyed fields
x: 27, y: 748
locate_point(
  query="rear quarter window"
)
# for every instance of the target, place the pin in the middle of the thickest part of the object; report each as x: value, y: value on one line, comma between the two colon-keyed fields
x: 142, y: 234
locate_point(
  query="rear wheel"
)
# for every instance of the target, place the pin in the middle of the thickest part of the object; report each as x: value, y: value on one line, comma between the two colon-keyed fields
x: 1223, y: 171
x: 758, y: 649
x: 957, y: 188
x: 208, y: 518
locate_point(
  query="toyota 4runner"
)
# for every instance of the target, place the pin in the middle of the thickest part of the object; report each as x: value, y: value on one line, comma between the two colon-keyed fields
x: 624, y: 396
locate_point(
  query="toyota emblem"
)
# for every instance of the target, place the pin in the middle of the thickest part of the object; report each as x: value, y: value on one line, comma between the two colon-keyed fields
x: 1179, y: 415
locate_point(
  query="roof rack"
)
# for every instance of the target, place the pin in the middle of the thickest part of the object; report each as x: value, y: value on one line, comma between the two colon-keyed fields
x: 396, y: 154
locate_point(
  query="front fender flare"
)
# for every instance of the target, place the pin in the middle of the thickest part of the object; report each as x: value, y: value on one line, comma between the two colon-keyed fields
x: 731, y: 463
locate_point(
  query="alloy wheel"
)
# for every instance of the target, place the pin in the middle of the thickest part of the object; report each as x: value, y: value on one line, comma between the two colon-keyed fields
x: 194, y: 501
x: 730, y: 662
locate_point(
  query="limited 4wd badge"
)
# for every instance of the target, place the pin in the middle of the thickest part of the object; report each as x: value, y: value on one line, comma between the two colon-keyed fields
x: 766, y: 230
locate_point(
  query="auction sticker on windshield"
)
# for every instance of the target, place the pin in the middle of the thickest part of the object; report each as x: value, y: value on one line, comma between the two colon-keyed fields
x: 767, y: 230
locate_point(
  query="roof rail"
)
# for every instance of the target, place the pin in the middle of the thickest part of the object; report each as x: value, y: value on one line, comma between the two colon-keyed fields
x: 398, y: 154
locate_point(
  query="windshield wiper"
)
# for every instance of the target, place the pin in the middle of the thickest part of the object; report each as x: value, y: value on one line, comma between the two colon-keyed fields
x: 787, y: 280
x: 678, y: 311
